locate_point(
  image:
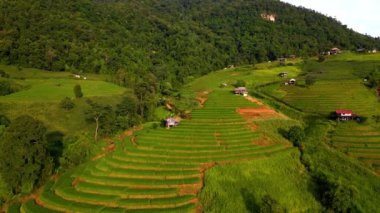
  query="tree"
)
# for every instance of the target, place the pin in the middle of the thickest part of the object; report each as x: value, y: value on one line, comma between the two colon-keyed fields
x: 321, y: 58
x: 240, y: 83
x: 310, y: 80
x: 24, y: 159
x: 296, y: 135
x: 78, y: 91
x: 127, y: 112
x: 103, y: 116
x: 5, y: 88
x: 67, y: 103
x: 145, y: 92
x: 54, y: 146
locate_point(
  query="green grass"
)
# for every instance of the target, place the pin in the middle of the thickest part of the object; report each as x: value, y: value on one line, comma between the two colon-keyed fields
x: 151, y: 176
x: 358, y: 140
x: 240, y: 187
x: 53, y: 90
x: 161, y: 170
x: 44, y: 90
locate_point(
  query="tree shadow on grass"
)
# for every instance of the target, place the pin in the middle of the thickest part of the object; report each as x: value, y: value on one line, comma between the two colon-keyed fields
x: 250, y: 201
x: 283, y: 132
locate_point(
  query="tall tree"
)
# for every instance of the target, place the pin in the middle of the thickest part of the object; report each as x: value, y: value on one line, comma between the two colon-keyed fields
x: 103, y: 116
x: 24, y: 159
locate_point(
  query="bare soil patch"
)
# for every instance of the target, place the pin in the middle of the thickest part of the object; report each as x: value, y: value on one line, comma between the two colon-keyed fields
x: 263, y: 141
x: 254, y: 100
x: 262, y: 113
x: 202, y: 97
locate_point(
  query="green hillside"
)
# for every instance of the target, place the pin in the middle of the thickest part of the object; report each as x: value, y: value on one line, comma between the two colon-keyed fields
x: 173, y: 39
x: 86, y: 86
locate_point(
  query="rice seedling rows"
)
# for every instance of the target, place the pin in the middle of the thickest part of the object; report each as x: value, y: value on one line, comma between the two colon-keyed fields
x: 361, y: 142
x: 160, y: 170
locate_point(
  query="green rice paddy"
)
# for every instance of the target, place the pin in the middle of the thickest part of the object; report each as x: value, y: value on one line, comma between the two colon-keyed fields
x: 164, y: 171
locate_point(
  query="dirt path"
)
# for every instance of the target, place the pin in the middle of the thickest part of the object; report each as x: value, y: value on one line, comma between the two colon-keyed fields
x: 202, y: 97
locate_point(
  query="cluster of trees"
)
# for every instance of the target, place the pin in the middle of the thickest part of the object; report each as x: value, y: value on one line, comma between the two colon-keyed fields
x: 25, y: 160
x: 374, y: 78
x: 174, y: 39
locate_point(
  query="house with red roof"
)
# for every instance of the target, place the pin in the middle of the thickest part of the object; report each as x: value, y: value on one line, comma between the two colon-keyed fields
x: 344, y: 115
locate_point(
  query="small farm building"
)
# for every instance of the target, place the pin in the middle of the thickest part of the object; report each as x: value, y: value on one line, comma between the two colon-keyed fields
x: 344, y: 115
x: 282, y: 60
x: 241, y: 91
x: 171, y: 122
x: 283, y: 74
x: 335, y: 51
x: 360, y: 50
x: 292, y: 81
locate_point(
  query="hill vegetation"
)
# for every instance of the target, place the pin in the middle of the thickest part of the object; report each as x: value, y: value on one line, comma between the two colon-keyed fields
x: 87, y: 133
x: 174, y: 40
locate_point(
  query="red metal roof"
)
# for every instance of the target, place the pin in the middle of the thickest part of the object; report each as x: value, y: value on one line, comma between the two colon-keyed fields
x: 342, y: 111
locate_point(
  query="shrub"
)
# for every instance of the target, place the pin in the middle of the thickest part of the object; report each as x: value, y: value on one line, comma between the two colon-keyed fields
x: 270, y: 205
x: 78, y: 91
x: 240, y: 83
x: 321, y: 58
x: 296, y: 135
x: 310, y: 80
x: 67, y: 103
x: 5, y: 88
x: 3, y: 74
x: 4, y: 120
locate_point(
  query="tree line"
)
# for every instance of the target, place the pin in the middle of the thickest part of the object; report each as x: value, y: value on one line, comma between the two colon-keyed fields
x: 172, y: 39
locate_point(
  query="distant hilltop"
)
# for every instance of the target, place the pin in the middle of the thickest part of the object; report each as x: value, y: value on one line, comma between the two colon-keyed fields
x: 174, y: 40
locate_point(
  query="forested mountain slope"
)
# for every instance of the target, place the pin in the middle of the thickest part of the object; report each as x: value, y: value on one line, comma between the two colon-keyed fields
x: 173, y: 39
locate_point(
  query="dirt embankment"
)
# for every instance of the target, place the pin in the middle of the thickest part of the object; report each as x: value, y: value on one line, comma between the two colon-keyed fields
x: 202, y: 97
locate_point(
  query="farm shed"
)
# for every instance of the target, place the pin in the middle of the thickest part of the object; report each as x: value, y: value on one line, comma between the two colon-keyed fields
x: 292, y: 81
x: 335, y: 51
x: 282, y: 60
x: 171, y: 122
x: 344, y: 115
x: 241, y: 91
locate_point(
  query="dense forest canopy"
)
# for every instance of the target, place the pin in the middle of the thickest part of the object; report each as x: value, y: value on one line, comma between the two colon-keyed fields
x: 173, y: 39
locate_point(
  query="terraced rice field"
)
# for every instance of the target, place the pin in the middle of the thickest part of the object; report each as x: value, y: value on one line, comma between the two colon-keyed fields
x: 327, y: 96
x: 361, y: 142
x: 163, y: 169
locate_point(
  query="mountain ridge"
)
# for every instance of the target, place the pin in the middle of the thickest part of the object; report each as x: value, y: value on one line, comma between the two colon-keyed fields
x: 174, y: 40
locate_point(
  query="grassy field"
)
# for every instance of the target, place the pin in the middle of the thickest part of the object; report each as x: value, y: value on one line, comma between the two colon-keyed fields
x: 44, y: 90
x: 240, y: 187
x: 161, y: 170
x: 236, y: 159
x: 339, y: 85
x: 359, y: 141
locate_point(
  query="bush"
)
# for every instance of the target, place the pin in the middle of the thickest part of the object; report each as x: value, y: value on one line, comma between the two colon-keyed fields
x: 3, y: 74
x: 321, y: 58
x: 78, y: 91
x: 240, y: 83
x: 5, y: 88
x: 310, y: 80
x: 4, y: 120
x: 296, y: 135
x: 67, y: 103
x: 270, y: 205
x: 76, y: 151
